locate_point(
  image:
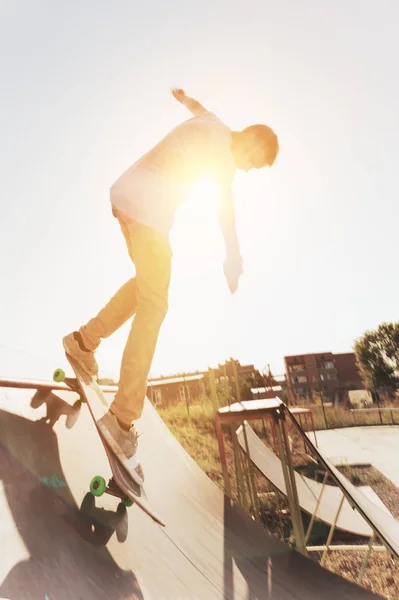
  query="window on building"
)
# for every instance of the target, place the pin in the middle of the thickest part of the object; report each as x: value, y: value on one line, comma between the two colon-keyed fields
x: 299, y: 379
x: 298, y: 367
x: 327, y: 376
x: 328, y: 364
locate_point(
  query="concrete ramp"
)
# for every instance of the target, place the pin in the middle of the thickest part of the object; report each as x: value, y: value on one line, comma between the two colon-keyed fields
x: 309, y: 491
x: 57, y: 543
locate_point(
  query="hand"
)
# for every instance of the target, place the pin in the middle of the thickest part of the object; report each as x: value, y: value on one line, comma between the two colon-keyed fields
x: 178, y: 94
x: 232, y: 270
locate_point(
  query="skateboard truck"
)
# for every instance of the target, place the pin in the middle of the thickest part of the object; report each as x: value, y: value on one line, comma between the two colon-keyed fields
x: 98, y: 487
x: 60, y: 377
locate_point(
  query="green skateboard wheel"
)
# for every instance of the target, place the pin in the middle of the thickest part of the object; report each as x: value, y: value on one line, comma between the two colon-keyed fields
x: 59, y: 375
x: 127, y: 502
x: 98, y: 486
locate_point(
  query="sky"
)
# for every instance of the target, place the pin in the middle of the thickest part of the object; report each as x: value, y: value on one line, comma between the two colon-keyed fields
x: 85, y: 91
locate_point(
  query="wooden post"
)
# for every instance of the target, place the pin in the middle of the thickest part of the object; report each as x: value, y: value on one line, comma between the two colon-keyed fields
x: 222, y: 454
x: 313, y: 427
x: 236, y: 381
x: 252, y: 486
x: 185, y: 388
x: 332, y: 529
x: 312, y: 520
x: 366, y: 560
x: 273, y: 428
x: 219, y: 433
x: 301, y: 539
x: 289, y: 478
x: 239, y: 477
x: 212, y: 386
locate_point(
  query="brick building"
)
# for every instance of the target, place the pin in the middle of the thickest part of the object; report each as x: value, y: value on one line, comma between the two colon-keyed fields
x: 190, y: 387
x: 326, y: 374
x: 166, y: 391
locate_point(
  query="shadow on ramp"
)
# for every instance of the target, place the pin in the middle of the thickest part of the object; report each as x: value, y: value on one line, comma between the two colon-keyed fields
x: 96, y: 525
x: 60, y: 546
x: 56, y: 407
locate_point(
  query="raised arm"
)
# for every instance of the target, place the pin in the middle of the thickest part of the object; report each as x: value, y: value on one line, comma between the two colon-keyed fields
x: 193, y: 105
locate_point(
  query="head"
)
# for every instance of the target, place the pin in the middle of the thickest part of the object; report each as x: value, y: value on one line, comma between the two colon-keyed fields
x: 254, y: 147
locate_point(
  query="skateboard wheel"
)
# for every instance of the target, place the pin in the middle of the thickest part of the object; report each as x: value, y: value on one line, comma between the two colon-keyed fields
x: 59, y: 375
x: 127, y: 502
x: 98, y: 486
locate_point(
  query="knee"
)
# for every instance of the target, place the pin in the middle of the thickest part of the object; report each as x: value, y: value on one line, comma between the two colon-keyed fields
x: 161, y: 310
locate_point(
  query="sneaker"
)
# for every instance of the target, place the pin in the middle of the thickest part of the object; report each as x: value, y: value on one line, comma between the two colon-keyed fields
x: 73, y: 346
x: 127, y: 442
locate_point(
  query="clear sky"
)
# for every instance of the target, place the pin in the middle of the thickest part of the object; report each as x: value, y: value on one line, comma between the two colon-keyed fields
x: 85, y: 90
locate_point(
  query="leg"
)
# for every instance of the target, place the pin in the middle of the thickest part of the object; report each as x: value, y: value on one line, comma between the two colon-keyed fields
x: 115, y: 313
x: 118, y: 310
x: 152, y: 256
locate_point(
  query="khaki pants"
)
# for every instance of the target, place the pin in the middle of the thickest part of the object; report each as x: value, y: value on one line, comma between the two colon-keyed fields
x: 146, y: 297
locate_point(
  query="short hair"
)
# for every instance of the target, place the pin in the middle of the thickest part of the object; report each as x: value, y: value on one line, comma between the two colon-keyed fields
x: 265, y: 136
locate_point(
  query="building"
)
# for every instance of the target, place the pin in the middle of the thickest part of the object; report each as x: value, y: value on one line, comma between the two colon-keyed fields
x: 166, y: 391
x: 327, y: 375
x: 191, y: 387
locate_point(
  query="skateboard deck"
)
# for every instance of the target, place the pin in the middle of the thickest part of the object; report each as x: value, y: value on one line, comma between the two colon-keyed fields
x: 122, y: 484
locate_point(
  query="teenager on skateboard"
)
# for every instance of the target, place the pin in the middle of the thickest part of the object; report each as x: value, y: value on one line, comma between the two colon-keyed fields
x: 144, y: 200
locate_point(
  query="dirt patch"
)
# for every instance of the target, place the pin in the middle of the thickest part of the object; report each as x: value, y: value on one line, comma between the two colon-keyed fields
x: 383, y: 487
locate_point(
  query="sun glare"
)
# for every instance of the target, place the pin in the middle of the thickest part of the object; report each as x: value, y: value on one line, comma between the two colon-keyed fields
x: 203, y: 198
x: 196, y: 236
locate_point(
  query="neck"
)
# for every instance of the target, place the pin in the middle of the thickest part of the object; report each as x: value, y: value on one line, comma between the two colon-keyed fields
x: 235, y: 137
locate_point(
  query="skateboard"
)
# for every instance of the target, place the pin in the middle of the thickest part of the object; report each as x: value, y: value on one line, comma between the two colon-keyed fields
x: 122, y: 484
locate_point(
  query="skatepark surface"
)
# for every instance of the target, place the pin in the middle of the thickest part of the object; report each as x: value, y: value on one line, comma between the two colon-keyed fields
x: 59, y: 543
x: 376, y: 445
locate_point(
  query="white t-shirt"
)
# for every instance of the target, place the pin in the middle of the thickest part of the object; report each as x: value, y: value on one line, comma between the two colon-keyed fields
x: 151, y: 190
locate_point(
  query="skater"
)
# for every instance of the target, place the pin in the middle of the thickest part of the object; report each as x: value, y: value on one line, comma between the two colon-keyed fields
x: 144, y: 200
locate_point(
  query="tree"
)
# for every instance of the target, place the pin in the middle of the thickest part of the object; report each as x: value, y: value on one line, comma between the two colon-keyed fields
x: 249, y: 381
x: 377, y: 356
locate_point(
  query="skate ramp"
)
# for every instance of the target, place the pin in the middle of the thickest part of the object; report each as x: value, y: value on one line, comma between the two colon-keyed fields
x: 309, y: 491
x: 58, y: 543
x: 380, y: 520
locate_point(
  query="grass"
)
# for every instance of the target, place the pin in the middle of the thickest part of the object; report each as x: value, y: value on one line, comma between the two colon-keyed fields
x: 337, y: 417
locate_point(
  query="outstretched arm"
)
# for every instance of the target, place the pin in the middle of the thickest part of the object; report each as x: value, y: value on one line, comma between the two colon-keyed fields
x: 193, y: 105
x: 233, y: 263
